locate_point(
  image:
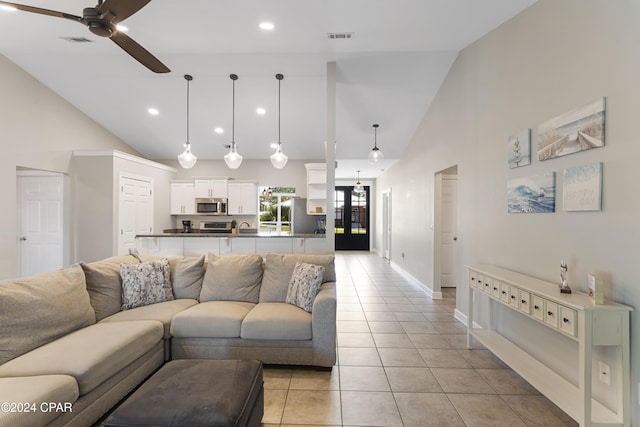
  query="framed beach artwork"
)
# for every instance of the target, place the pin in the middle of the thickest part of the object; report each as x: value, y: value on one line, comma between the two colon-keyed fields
x: 533, y: 194
x: 519, y: 148
x: 582, y: 188
x: 574, y: 131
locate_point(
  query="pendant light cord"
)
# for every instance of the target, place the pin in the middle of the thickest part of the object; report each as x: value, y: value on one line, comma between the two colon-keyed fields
x: 279, y: 140
x: 233, y: 114
x: 187, y: 111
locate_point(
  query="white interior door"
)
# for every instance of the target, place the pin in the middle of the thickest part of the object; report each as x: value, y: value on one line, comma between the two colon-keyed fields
x: 386, y: 224
x: 448, y: 230
x: 41, y: 223
x: 135, y: 211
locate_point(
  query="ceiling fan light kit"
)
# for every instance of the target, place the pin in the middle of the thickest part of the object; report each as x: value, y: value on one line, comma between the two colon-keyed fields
x: 375, y: 155
x: 279, y: 159
x: 233, y: 159
x: 102, y: 20
x: 187, y: 160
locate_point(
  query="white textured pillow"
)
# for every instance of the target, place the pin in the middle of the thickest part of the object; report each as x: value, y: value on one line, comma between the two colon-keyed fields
x: 145, y: 283
x: 305, y: 282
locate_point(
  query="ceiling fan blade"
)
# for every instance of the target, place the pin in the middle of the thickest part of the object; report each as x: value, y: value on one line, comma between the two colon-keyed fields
x: 122, y: 9
x: 139, y: 53
x: 40, y: 11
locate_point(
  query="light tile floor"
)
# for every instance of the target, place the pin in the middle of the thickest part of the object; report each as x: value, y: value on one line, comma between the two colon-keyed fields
x: 402, y: 361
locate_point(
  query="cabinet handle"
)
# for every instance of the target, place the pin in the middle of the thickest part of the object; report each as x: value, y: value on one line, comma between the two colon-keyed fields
x: 524, y: 301
x: 504, y: 292
x: 513, y: 297
x: 473, y: 279
x: 495, y: 289
x: 537, y: 307
x: 565, y: 320
x: 549, y: 313
x: 479, y: 281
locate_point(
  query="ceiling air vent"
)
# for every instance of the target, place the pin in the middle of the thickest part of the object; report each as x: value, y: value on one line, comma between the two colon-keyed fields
x: 340, y: 36
x: 77, y: 39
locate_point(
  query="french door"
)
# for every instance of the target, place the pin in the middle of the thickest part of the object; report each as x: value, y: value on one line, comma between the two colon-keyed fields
x: 352, y: 218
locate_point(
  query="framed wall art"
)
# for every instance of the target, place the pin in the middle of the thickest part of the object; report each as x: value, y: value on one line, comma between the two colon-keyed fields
x: 574, y: 131
x: 534, y: 194
x: 519, y: 149
x: 582, y: 188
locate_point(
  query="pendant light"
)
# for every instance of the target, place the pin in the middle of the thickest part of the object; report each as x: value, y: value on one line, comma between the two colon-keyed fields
x: 375, y: 155
x: 187, y: 160
x: 279, y: 159
x: 233, y: 158
x: 358, y: 188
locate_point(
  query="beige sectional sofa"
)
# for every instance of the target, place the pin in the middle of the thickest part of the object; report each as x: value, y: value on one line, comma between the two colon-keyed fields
x: 68, y: 353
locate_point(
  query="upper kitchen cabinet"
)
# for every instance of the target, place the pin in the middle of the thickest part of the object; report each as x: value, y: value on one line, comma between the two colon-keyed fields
x: 211, y: 188
x: 242, y: 198
x: 183, y: 200
x: 316, y: 188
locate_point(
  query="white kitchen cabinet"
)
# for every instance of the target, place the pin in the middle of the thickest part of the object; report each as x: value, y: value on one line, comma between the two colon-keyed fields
x: 243, y: 198
x: 316, y: 188
x: 572, y: 316
x: 183, y: 200
x: 196, y: 246
x: 211, y: 188
x: 310, y: 245
x: 278, y: 245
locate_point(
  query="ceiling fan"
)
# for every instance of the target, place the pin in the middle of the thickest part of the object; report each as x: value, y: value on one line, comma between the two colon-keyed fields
x: 102, y: 20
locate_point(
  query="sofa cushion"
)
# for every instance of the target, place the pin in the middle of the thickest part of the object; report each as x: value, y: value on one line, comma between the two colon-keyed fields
x: 212, y: 319
x: 35, y: 391
x: 232, y: 278
x: 276, y: 321
x: 304, y: 285
x: 278, y: 269
x: 38, y: 309
x: 163, y: 312
x: 104, y: 284
x: 187, y: 275
x: 145, y: 283
x: 91, y: 355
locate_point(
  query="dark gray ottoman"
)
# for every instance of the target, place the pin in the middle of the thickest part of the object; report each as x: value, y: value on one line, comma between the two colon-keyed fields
x: 195, y: 393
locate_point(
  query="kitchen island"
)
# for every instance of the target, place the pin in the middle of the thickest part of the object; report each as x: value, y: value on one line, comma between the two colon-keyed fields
x: 176, y: 243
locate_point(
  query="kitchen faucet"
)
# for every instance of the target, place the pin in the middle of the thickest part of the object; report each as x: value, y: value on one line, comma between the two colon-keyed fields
x: 244, y: 222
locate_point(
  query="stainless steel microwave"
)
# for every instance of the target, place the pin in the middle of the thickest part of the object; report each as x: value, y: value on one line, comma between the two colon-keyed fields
x: 217, y: 206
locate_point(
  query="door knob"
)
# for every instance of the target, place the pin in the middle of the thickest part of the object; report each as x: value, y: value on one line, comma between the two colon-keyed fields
x: 23, y: 238
x: 455, y: 239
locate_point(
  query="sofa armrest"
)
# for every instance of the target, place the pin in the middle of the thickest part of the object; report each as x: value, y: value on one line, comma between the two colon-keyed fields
x: 323, y: 323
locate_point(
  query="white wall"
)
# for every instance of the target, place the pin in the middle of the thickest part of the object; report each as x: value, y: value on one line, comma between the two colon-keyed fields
x: 38, y: 130
x: 553, y: 57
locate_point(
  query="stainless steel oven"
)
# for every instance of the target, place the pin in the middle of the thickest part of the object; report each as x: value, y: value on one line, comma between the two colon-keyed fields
x: 211, y: 206
x: 217, y: 226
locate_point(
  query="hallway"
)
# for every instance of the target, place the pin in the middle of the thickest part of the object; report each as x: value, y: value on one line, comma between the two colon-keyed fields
x: 402, y: 361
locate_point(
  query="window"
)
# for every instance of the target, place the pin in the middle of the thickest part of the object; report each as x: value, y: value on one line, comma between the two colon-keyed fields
x: 275, y: 209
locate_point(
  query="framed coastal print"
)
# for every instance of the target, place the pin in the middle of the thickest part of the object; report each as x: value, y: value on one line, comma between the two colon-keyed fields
x: 533, y: 194
x: 519, y: 149
x: 582, y: 188
x: 574, y: 131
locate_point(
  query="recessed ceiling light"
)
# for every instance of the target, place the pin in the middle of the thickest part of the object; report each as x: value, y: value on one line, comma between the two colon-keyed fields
x: 218, y: 130
x: 8, y: 8
x: 153, y: 111
x: 267, y: 26
x: 261, y: 111
x: 122, y: 28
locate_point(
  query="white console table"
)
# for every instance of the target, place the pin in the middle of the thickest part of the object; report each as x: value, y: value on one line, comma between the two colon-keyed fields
x: 572, y: 315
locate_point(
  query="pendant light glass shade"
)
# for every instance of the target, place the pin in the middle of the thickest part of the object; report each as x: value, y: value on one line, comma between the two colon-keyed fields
x: 233, y: 159
x: 358, y: 188
x: 187, y: 160
x: 279, y: 159
x: 375, y: 155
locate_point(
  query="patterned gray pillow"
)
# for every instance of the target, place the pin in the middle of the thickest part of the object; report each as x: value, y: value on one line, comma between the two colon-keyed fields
x: 145, y: 283
x: 305, y: 282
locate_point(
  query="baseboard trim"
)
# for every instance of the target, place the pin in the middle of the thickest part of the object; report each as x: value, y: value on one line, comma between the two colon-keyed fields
x: 427, y: 289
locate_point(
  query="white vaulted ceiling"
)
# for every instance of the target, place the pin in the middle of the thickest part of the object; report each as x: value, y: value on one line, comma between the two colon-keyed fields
x: 388, y: 73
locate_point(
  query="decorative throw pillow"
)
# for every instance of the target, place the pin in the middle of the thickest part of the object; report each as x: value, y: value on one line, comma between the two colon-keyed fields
x: 305, y: 282
x: 145, y: 283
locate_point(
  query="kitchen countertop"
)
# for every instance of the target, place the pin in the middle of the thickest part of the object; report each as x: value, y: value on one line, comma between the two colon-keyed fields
x: 178, y: 233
